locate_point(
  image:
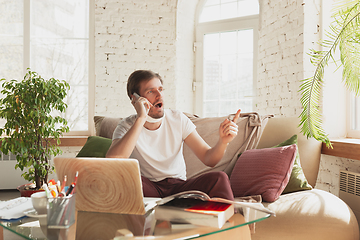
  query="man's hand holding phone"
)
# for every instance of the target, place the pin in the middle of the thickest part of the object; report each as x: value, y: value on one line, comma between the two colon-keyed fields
x: 141, y: 105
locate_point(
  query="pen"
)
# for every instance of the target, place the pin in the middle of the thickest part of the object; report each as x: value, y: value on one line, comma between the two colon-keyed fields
x: 63, y: 185
x: 73, y: 190
x: 70, y: 189
x: 75, y: 181
x: 76, y: 177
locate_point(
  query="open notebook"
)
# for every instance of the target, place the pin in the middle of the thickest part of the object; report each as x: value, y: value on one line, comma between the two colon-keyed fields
x: 111, y: 185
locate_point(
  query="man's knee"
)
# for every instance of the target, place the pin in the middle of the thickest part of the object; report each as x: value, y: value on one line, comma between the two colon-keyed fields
x: 221, y: 176
x: 222, y: 187
x: 219, y: 179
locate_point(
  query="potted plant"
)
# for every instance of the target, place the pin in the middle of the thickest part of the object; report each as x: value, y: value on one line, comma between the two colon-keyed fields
x: 344, y: 36
x: 32, y: 129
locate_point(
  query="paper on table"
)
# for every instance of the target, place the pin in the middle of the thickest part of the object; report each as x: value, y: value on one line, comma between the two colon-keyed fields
x: 150, y: 203
x: 31, y: 224
x: 15, y: 208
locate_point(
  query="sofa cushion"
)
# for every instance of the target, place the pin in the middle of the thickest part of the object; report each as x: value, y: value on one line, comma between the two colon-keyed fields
x: 95, y: 146
x: 298, y: 181
x: 279, y: 129
x: 311, y: 215
x: 105, y: 126
x: 263, y: 171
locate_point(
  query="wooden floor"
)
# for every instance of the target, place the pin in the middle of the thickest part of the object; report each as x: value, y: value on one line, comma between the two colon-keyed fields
x: 9, y: 194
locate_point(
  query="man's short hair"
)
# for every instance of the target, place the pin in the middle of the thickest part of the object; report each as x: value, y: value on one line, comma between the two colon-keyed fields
x: 134, y: 80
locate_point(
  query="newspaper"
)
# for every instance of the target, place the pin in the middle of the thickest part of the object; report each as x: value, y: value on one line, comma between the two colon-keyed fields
x: 15, y: 208
x: 203, y: 196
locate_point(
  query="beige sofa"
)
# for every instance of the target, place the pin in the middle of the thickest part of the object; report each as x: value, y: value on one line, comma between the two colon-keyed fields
x: 310, y: 214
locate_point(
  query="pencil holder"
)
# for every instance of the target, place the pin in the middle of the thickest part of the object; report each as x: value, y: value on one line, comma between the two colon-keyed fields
x: 61, y: 211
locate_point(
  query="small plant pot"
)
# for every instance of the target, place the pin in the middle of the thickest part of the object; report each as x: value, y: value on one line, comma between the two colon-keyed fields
x: 28, y: 189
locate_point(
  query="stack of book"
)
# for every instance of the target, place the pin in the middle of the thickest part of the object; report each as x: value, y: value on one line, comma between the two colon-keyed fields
x: 196, y: 207
x: 195, y: 211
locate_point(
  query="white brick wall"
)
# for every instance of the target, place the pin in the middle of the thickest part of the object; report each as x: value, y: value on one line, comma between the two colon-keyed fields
x: 281, y: 45
x: 132, y: 35
x: 328, y: 178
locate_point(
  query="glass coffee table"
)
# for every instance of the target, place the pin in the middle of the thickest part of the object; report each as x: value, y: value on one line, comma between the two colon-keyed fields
x: 90, y: 225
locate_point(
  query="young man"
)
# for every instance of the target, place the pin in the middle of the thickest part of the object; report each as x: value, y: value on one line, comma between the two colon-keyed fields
x: 155, y: 136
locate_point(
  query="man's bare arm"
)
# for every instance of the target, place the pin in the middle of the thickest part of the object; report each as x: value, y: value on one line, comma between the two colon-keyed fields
x: 211, y: 156
x: 123, y: 147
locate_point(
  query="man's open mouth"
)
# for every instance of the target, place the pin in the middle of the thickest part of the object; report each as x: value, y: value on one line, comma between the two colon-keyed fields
x: 158, y: 105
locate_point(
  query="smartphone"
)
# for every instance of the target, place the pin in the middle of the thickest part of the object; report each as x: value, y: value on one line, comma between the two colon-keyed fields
x: 136, y: 96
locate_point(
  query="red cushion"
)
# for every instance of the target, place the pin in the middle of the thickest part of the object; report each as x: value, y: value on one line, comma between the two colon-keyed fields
x: 264, y: 172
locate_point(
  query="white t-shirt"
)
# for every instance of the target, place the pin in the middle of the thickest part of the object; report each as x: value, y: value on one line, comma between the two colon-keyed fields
x: 160, y: 151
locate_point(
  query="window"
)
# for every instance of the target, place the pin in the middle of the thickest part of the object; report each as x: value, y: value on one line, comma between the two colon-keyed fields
x: 52, y: 38
x: 226, y: 9
x: 353, y: 126
x: 226, y: 39
x: 340, y: 108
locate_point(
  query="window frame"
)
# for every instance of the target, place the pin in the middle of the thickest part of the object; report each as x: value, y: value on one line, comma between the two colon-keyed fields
x: 91, y: 63
x: 224, y: 25
x: 350, y: 112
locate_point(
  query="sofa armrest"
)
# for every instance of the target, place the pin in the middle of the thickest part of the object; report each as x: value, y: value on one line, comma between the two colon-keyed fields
x: 280, y: 129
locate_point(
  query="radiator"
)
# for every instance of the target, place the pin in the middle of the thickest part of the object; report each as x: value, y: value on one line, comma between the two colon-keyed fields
x: 349, y: 191
x: 10, y: 178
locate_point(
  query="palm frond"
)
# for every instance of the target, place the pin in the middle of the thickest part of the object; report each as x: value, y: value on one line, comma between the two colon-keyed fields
x: 344, y: 34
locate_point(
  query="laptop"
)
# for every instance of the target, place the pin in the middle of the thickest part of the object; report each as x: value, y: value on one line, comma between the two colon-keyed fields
x: 110, y: 185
